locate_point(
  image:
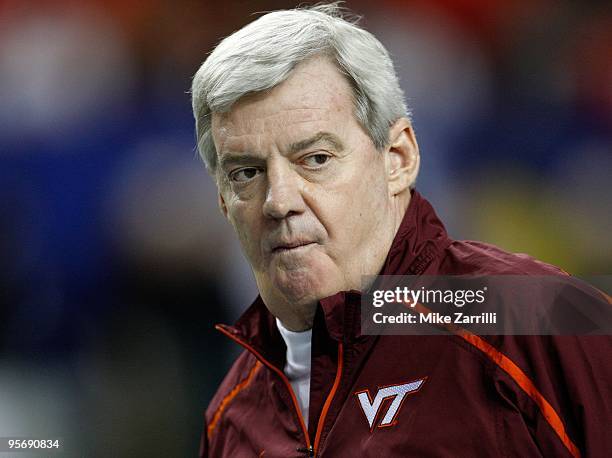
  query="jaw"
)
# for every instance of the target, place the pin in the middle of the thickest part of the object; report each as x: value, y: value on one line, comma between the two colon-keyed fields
x: 291, y: 286
x: 289, y: 296
x: 301, y: 275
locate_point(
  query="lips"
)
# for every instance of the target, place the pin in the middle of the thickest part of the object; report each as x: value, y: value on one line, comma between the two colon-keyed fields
x: 286, y: 246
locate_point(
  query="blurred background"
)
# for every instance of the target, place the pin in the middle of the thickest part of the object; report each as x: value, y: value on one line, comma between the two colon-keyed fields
x: 114, y: 260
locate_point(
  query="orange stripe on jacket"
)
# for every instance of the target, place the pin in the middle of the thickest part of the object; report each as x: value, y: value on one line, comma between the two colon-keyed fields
x: 523, y: 381
x: 517, y: 374
x: 605, y: 295
x: 330, y: 398
x: 230, y: 396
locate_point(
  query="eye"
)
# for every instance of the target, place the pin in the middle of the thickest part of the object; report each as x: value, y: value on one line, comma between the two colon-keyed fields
x: 244, y: 174
x: 316, y: 160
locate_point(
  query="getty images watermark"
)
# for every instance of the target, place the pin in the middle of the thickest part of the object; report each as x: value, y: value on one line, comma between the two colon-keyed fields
x: 487, y: 305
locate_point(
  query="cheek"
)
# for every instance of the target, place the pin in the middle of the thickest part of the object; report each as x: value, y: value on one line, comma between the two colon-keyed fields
x: 373, y: 192
x: 364, y: 212
x: 362, y: 197
x: 247, y: 226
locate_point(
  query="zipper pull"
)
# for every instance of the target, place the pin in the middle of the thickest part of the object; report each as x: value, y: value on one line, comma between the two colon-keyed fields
x: 308, y: 450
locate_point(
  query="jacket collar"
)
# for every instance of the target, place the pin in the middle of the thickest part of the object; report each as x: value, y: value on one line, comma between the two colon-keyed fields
x: 415, y: 250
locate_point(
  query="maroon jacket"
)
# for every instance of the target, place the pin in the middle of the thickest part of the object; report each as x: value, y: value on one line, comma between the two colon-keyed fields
x: 448, y: 395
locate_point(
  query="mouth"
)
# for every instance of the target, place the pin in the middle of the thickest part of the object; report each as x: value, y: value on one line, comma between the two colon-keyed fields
x: 292, y: 246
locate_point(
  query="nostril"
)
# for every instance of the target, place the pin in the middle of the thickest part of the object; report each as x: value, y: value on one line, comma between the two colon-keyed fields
x: 281, y: 206
x: 275, y: 209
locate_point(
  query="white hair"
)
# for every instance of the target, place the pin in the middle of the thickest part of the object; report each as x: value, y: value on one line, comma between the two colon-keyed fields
x: 262, y: 54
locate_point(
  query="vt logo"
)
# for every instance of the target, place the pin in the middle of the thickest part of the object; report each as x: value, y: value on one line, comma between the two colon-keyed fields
x: 372, y: 409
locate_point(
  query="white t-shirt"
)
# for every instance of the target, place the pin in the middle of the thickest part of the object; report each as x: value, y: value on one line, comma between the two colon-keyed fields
x: 297, y: 368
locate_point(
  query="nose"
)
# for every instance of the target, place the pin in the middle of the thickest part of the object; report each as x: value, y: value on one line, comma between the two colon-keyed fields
x: 283, y: 196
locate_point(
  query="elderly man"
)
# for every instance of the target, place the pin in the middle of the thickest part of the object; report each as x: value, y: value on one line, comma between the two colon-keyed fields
x: 301, y: 121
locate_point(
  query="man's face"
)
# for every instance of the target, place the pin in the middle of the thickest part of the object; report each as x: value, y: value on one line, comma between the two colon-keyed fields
x: 304, y: 188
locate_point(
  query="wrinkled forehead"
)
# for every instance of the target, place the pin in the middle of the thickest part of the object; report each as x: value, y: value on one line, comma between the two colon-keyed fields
x: 315, y: 96
x: 239, y: 123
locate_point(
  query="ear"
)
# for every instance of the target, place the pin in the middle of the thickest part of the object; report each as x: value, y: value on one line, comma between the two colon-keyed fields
x: 401, y: 157
x: 222, y: 205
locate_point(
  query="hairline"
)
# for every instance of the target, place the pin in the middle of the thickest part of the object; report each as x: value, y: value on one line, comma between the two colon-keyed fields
x: 374, y: 116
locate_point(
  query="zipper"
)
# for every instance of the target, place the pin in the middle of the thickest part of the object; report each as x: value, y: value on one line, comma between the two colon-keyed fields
x: 309, y: 451
x: 310, y: 448
x: 330, y: 398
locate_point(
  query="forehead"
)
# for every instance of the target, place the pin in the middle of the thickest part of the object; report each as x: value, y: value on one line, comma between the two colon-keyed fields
x: 315, y: 95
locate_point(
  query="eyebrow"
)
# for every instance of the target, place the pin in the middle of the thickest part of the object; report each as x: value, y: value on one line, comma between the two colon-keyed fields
x: 232, y: 158
x: 238, y: 159
x: 319, y: 137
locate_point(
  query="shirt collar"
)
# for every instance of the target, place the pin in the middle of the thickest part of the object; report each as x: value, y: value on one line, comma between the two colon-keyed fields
x: 298, y: 351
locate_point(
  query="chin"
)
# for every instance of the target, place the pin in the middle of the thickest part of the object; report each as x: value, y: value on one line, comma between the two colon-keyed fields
x: 304, y: 286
